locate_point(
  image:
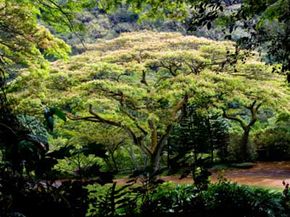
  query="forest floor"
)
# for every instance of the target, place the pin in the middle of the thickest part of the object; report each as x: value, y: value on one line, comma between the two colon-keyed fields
x: 263, y: 174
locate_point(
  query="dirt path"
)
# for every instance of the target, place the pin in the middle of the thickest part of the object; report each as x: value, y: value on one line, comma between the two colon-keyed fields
x: 264, y: 174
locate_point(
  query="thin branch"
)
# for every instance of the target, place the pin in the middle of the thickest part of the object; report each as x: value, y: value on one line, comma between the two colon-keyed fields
x: 143, y: 80
x: 134, y: 120
x: 160, y: 79
x: 253, y: 109
x: 180, y: 105
x: 98, y: 119
x: 195, y: 67
x: 234, y: 118
x: 68, y: 21
x: 172, y: 67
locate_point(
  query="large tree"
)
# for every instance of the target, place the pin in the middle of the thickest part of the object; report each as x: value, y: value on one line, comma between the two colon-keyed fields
x: 140, y: 83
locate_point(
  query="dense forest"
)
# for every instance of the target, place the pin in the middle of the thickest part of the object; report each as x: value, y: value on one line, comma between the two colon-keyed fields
x: 144, y: 108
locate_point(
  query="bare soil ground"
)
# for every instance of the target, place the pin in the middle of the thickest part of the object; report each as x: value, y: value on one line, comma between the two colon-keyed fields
x: 263, y: 174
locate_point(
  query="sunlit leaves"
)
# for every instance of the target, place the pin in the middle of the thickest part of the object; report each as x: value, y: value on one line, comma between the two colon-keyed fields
x: 138, y: 79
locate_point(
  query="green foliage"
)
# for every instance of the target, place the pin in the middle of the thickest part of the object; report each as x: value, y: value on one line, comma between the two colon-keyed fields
x: 101, y: 25
x: 134, y: 89
x: 140, y: 82
x: 49, y: 114
x: 25, y: 44
x: 224, y: 199
x: 111, y: 200
x: 150, y: 9
x: 168, y: 199
x: 273, y: 142
x: 82, y: 162
x: 253, y: 24
x: 23, y: 40
x: 200, y: 138
x: 202, y: 130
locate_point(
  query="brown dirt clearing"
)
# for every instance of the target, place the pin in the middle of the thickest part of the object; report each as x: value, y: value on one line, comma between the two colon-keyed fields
x: 263, y: 174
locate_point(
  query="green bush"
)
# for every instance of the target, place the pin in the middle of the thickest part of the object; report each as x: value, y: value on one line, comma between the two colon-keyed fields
x: 226, y: 199
x: 111, y: 200
x: 273, y: 143
x: 223, y: 199
x: 234, y: 148
x: 169, y: 200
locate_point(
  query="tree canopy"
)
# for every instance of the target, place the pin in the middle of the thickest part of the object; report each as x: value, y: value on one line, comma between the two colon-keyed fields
x: 262, y: 25
x: 141, y: 82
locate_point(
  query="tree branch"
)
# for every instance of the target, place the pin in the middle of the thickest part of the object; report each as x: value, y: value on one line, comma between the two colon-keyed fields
x: 241, y: 122
x: 154, y: 135
x: 68, y: 21
x: 253, y: 109
x: 99, y: 119
x: 135, y: 121
x: 143, y: 80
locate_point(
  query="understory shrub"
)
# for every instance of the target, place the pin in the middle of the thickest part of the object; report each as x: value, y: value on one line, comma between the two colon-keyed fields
x: 273, y: 144
x: 222, y: 199
x: 111, y: 200
x: 227, y: 199
x: 33, y: 200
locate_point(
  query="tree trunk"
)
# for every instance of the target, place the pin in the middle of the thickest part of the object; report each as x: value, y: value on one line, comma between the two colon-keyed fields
x: 211, y: 143
x: 253, y: 108
x: 155, y: 160
x: 244, y: 145
x: 156, y: 156
x: 115, y: 165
